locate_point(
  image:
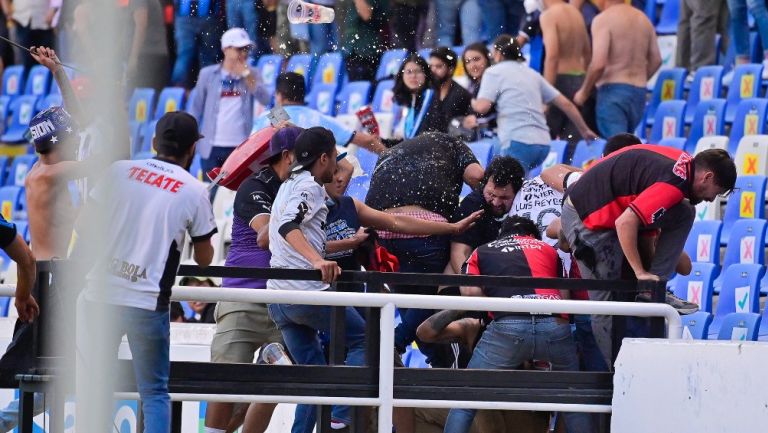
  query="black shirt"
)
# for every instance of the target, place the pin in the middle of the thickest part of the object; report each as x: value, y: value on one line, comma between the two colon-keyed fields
x: 486, y: 229
x: 456, y: 104
x: 342, y: 223
x: 7, y: 233
x: 425, y: 171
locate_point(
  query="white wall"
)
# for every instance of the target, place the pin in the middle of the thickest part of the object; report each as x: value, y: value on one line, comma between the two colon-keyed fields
x: 683, y: 386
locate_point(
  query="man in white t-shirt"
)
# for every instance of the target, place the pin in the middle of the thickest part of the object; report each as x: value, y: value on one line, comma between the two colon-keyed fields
x: 147, y: 207
x: 297, y: 241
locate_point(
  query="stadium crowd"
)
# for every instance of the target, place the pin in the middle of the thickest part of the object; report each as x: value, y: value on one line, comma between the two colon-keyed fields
x: 627, y: 216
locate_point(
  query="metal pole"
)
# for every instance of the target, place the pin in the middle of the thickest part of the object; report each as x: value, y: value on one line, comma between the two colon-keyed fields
x: 386, y: 367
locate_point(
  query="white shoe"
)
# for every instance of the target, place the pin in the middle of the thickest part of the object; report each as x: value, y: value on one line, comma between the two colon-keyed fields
x: 727, y: 78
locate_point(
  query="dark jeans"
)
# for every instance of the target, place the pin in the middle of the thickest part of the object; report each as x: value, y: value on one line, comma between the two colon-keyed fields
x: 197, y: 38
x: 502, y: 17
x: 417, y: 255
x: 560, y: 126
x: 405, y: 25
x: 28, y: 37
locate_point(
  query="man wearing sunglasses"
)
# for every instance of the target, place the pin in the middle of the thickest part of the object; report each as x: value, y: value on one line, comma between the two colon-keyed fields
x: 223, y: 99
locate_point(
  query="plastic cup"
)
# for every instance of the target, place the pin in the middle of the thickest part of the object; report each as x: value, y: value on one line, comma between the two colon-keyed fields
x: 300, y: 12
x: 274, y: 354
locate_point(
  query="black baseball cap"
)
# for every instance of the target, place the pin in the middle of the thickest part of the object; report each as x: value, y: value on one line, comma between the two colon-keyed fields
x: 283, y: 139
x: 176, y: 132
x: 311, y: 144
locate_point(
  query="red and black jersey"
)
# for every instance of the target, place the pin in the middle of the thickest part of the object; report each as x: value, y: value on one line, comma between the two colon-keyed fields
x: 649, y: 179
x: 517, y: 256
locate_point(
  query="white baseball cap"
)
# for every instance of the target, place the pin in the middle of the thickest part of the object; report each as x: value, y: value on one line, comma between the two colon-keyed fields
x: 235, y: 37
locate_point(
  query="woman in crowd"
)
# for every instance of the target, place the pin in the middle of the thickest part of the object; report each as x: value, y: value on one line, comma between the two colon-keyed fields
x: 414, y: 91
x: 476, y: 59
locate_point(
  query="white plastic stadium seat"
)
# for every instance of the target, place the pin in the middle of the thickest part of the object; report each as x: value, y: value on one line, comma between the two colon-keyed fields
x: 712, y: 142
x: 752, y: 155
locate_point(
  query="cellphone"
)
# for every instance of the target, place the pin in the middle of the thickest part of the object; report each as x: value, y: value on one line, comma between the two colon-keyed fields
x: 277, y: 115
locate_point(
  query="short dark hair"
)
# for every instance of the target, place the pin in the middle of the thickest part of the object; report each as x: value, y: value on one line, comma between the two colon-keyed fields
x: 446, y: 55
x: 505, y: 170
x: 719, y: 162
x: 520, y: 226
x: 508, y: 47
x: 291, y: 86
x: 620, y: 141
x: 401, y: 93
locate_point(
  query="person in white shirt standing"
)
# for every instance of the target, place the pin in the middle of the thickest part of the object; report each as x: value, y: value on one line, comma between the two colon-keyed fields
x: 148, y: 206
x: 33, y: 22
x: 223, y: 99
x: 297, y: 241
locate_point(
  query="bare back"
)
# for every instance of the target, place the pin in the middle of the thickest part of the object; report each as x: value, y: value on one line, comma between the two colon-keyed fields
x: 632, y: 56
x: 51, y: 213
x: 572, y: 38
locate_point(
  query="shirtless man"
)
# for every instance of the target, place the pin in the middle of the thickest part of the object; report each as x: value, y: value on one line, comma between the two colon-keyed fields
x: 56, y: 139
x: 567, y: 55
x: 625, y: 55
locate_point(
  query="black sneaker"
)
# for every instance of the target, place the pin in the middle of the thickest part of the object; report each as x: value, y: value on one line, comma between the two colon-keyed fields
x: 682, y: 306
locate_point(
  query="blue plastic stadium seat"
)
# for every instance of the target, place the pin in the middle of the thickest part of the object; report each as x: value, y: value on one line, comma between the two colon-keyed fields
x: 676, y: 142
x: 141, y: 106
x: 740, y: 293
x: 746, y: 246
x: 587, y: 152
x: 709, y: 119
x: 49, y: 101
x: 424, y: 52
x: 669, y: 121
x: 13, y: 80
x: 22, y: 229
x: 390, y: 63
x: 22, y: 110
x: 703, y: 243
x: 367, y: 160
x: 706, y: 85
x: 697, y: 324
x: 382, y: 99
x: 38, y: 81
x: 170, y: 99
x: 669, y: 86
x: 670, y: 14
x: 191, y: 97
x: 11, y: 202
x: 323, y: 98
x: 762, y: 333
x: 301, y: 64
x: 354, y: 95
x: 747, y: 80
x: 329, y: 71
x: 483, y: 150
x: 358, y: 187
x: 19, y: 169
x: 147, y: 133
x: 739, y: 327
x: 745, y: 202
x: 5, y: 106
x: 196, y: 168
x: 555, y: 156
x: 698, y: 286
x: 270, y: 65
x: 749, y: 119
x: 3, y: 168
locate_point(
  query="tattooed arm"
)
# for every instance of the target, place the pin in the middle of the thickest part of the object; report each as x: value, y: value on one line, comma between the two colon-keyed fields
x: 445, y: 326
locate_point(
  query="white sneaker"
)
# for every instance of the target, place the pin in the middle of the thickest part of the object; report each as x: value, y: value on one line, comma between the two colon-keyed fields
x: 727, y: 78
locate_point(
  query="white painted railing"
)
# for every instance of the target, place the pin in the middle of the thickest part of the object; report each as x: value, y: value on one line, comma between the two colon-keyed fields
x: 387, y: 303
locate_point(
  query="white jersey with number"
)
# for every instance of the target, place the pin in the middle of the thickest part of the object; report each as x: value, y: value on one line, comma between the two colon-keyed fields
x: 150, y: 205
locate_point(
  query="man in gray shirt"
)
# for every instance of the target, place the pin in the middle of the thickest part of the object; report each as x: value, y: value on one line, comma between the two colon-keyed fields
x: 297, y: 241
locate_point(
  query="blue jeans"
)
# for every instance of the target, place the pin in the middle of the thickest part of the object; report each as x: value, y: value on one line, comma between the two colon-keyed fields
x: 619, y: 108
x: 299, y: 325
x: 591, y: 358
x: 740, y: 24
x: 196, y: 37
x: 471, y: 19
x: 529, y: 155
x: 215, y: 159
x: 322, y: 38
x: 242, y: 13
x: 502, y: 16
x: 417, y: 255
x: 510, y: 341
